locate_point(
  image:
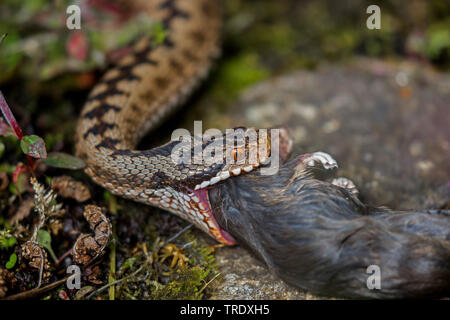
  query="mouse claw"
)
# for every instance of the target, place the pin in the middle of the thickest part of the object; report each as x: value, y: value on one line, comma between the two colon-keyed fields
x: 346, y: 184
x: 321, y: 157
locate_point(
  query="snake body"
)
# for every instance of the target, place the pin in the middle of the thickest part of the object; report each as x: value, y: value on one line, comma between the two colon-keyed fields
x: 135, y: 95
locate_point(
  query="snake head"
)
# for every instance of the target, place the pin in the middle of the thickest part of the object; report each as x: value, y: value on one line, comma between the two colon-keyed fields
x: 238, y: 151
x: 219, y: 158
x: 201, y: 162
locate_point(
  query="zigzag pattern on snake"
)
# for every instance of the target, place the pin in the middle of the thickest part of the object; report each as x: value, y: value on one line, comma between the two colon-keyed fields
x: 135, y: 95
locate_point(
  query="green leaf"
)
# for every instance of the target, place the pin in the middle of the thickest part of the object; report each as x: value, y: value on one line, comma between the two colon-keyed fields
x: 34, y: 146
x: 12, y: 261
x: 7, y: 242
x: 64, y: 160
x: 10, y: 242
x: 2, y: 148
x: 44, y: 238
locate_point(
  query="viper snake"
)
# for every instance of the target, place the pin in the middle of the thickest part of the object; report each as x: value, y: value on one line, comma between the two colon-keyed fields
x: 314, y: 234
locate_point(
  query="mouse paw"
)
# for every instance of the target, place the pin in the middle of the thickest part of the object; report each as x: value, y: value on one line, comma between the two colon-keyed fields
x: 346, y: 184
x: 310, y: 159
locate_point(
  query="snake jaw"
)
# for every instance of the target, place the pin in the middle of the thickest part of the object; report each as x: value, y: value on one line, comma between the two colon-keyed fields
x: 206, y: 219
x: 223, y: 175
x: 209, y: 221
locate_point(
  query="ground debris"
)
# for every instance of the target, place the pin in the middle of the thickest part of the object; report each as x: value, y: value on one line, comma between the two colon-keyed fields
x: 68, y: 187
x: 23, y: 211
x: 3, y: 286
x: 88, y: 246
x: 94, y: 274
x: 37, y: 257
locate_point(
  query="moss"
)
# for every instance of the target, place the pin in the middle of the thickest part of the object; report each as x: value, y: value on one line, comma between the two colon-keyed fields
x: 438, y: 40
x: 235, y: 74
x: 6, y: 239
x: 158, y: 33
x: 186, y: 284
x: 155, y: 278
x: 190, y: 281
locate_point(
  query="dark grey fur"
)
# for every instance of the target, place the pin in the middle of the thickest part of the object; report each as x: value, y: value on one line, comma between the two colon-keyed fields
x: 319, y: 237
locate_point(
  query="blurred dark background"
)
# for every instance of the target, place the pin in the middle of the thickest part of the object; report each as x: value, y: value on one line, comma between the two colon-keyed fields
x: 48, y: 70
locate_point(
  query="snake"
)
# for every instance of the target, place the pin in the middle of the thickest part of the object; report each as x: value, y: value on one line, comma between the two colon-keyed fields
x: 313, y: 234
x: 136, y: 95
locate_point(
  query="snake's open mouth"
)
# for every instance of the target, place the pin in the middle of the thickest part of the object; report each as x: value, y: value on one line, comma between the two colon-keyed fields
x: 208, y: 219
x: 225, y: 175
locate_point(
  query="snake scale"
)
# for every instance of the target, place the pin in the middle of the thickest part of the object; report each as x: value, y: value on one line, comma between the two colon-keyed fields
x: 315, y: 235
x: 134, y: 96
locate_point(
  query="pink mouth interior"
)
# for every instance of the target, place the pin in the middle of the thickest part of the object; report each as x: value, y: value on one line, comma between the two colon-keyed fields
x: 202, y: 195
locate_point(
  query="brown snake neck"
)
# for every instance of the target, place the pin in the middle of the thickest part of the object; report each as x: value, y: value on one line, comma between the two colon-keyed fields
x: 135, y: 95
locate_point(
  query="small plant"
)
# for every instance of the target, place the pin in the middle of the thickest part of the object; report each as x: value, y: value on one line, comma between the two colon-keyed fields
x: 33, y: 146
x: 6, y: 240
x: 12, y: 261
x: 47, y: 207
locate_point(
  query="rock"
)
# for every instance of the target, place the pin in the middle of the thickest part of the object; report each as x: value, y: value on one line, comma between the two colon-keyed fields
x: 244, y: 277
x: 386, y: 125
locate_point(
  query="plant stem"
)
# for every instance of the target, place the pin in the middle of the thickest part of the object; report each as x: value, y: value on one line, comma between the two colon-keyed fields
x: 3, y: 37
x: 10, y: 117
x: 34, y: 292
x: 112, y: 266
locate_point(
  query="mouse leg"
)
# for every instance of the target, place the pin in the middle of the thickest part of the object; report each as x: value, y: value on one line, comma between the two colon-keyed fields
x: 346, y: 184
x: 307, y: 162
x: 323, y: 158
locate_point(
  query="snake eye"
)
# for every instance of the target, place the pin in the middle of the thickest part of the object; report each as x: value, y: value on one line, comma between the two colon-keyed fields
x: 237, y: 153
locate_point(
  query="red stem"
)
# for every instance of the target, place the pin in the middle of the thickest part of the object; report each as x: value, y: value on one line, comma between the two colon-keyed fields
x: 31, y: 163
x: 10, y: 117
x: 7, y: 113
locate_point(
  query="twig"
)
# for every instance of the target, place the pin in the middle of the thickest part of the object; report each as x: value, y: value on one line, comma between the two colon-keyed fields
x: 68, y: 252
x: 3, y: 37
x: 36, y: 291
x: 214, y: 278
x: 172, y: 238
x: 112, y: 267
x: 41, y: 268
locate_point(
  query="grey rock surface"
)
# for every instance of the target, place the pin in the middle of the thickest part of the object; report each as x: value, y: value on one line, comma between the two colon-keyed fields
x: 388, y: 126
